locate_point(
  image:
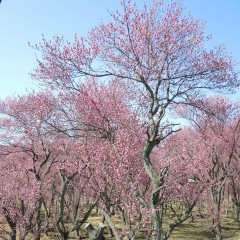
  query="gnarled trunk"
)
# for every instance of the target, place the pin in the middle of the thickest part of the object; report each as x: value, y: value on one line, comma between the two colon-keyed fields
x: 95, y: 234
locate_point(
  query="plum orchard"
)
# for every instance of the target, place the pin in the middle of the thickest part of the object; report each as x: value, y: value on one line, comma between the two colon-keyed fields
x: 209, y: 149
x: 103, y: 130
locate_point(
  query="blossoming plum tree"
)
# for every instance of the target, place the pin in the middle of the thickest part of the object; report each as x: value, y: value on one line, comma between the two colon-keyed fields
x: 162, y: 61
x: 213, y: 153
x: 27, y: 155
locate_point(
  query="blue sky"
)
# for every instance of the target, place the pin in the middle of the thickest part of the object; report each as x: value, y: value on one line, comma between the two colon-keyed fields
x: 26, y: 20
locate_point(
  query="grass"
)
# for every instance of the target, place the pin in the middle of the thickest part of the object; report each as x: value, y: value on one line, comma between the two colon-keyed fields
x: 198, y: 229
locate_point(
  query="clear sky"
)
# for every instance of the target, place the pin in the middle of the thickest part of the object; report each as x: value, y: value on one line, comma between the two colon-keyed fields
x: 23, y: 21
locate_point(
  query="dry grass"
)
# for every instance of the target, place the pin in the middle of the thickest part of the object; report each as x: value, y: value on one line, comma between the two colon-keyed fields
x: 198, y: 230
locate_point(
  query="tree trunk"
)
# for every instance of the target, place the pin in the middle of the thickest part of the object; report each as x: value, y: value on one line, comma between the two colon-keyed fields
x: 60, y: 222
x: 111, y: 224
x: 38, y: 221
x: 95, y: 234
x: 122, y: 215
x: 157, y: 225
x: 110, y: 231
x: 157, y: 183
